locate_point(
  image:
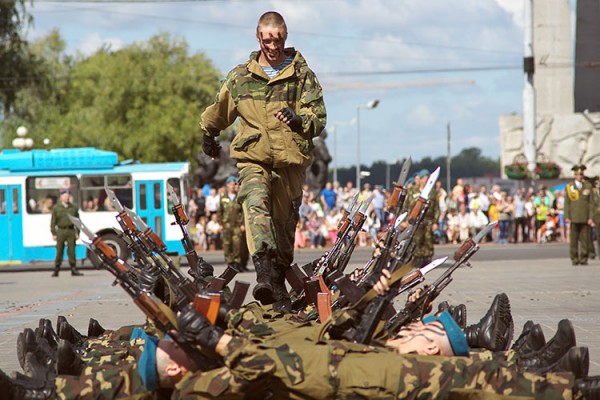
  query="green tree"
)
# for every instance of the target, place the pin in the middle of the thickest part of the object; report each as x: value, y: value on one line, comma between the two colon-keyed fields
x: 143, y: 101
x: 14, y: 59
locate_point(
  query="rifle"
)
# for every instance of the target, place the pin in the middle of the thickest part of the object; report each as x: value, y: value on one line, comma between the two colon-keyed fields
x: 415, y: 310
x: 373, y: 309
x: 146, y: 244
x: 155, y: 310
x: 357, y: 223
x: 199, y: 268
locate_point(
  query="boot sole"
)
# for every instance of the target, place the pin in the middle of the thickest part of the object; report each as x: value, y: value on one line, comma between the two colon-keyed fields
x: 264, y: 295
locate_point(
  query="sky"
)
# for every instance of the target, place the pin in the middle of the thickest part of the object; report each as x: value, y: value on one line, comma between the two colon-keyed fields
x: 431, y: 64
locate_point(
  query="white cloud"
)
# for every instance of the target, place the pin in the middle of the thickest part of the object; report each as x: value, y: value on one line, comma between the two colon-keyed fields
x: 515, y: 9
x: 92, y: 42
x: 422, y: 115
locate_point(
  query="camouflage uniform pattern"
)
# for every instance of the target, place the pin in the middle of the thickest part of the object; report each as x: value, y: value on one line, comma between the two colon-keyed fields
x: 64, y: 230
x: 111, y: 372
x: 305, y: 370
x: 231, y: 217
x: 424, y: 235
x: 272, y: 157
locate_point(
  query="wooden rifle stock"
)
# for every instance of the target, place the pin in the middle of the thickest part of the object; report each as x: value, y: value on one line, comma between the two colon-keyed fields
x: 238, y: 294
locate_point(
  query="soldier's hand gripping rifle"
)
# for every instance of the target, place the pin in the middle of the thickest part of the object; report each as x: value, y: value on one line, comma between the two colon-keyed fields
x: 370, y: 309
x: 198, y: 267
x: 401, y: 251
x: 415, y: 310
x: 155, y: 310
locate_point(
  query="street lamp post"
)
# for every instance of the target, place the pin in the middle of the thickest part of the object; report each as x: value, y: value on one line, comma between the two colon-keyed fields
x: 22, y: 142
x: 370, y: 105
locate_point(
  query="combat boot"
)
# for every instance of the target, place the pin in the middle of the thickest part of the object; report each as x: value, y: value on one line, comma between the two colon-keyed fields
x: 575, y: 361
x: 18, y: 389
x: 49, y: 334
x: 283, y: 302
x: 524, y: 334
x: 55, y: 272
x: 494, y: 331
x: 94, y: 328
x: 75, y: 272
x: 459, y: 314
x: 263, y: 291
x: 552, y: 351
x: 588, y: 388
x: 68, y: 333
x: 68, y: 362
x: 26, y: 342
x: 534, y: 342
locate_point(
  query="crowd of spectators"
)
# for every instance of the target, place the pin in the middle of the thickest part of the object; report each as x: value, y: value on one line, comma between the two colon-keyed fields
x: 526, y: 215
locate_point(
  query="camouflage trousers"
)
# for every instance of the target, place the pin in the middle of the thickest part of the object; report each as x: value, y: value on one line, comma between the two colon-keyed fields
x: 424, y: 241
x: 327, y: 370
x: 270, y: 198
x: 234, y: 245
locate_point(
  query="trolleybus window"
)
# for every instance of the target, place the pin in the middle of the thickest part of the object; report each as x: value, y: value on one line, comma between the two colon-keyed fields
x: 94, y: 196
x: 42, y: 192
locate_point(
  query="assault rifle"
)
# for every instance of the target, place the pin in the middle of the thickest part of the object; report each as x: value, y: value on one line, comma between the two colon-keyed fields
x: 147, y: 244
x: 371, y: 309
x: 357, y: 223
x: 155, y: 310
x: 198, y: 267
x: 415, y: 310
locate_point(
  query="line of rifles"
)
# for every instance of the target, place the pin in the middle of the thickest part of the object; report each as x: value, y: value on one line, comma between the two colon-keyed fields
x: 346, y: 303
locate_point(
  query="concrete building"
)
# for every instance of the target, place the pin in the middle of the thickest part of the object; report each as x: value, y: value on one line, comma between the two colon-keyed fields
x: 563, y: 135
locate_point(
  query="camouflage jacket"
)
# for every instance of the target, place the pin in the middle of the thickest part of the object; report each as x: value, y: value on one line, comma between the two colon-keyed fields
x: 433, y: 213
x: 248, y: 93
x: 230, y: 212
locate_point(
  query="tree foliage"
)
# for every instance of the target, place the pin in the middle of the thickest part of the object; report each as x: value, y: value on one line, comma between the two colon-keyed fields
x: 14, y: 58
x: 468, y: 163
x: 143, y: 101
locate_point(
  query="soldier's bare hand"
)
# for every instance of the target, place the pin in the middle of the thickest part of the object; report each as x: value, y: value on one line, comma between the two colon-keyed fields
x: 382, y: 286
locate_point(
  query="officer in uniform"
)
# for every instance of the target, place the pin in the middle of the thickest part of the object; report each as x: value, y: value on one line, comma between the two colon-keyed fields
x: 63, y: 231
x: 424, y: 235
x: 231, y: 218
x: 579, y: 214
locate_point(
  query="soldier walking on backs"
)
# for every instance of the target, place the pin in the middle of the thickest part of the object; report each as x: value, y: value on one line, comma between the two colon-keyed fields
x: 63, y: 231
x: 579, y: 213
x: 231, y: 218
x: 279, y: 102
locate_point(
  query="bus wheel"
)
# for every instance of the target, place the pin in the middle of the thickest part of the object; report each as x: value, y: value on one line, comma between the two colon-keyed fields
x: 116, y: 243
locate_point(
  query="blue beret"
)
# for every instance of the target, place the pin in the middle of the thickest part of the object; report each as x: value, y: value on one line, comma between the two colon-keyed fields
x: 232, y: 179
x: 423, y: 172
x: 410, y: 180
x: 456, y: 336
x: 147, y: 362
x: 63, y: 191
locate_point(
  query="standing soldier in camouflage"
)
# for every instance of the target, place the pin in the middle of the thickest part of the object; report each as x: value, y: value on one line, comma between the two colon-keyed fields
x: 231, y: 218
x: 579, y: 214
x: 63, y: 231
x: 424, y: 236
x: 279, y: 102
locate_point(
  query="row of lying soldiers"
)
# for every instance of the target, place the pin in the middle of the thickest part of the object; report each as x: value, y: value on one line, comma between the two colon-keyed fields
x: 334, y: 335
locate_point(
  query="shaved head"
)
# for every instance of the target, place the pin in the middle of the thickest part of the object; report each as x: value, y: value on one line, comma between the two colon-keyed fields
x: 271, y: 19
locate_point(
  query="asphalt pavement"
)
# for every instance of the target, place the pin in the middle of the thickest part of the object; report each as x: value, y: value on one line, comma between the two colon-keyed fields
x: 539, y: 280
